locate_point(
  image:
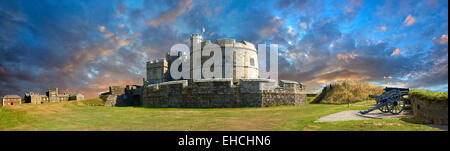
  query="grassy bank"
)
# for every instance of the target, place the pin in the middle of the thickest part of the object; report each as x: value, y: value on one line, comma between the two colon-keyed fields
x: 344, y: 92
x: 82, y: 115
x: 432, y: 96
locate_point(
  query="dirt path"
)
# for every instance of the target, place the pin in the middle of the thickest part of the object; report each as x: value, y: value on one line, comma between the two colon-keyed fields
x: 355, y: 115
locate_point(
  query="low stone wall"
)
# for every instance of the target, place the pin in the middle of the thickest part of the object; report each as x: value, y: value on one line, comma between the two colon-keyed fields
x: 222, y: 93
x: 110, y: 100
x: 429, y: 112
x: 280, y: 97
x: 119, y: 100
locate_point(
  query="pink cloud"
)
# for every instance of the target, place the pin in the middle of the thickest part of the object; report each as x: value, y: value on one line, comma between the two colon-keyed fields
x: 346, y: 57
x: 410, y: 20
x: 397, y: 52
x: 170, y: 16
x: 442, y: 41
x: 101, y: 28
x: 383, y: 28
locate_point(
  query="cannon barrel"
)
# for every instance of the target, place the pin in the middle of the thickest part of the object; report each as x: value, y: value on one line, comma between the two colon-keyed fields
x: 373, y: 96
x: 393, y: 88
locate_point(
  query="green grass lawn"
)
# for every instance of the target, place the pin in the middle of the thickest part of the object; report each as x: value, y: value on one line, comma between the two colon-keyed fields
x: 81, y: 115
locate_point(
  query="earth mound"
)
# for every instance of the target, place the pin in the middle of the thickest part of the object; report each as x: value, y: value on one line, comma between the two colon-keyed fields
x: 346, y: 91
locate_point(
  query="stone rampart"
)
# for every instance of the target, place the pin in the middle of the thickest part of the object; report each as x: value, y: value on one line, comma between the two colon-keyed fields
x: 222, y: 93
x: 428, y: 111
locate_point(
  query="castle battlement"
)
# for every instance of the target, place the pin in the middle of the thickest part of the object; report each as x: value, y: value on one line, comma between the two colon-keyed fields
x: 157, y: 61
x: 196, y: 35
x: 222, y: 42
x: 231, y: 43
x: 179, y: 53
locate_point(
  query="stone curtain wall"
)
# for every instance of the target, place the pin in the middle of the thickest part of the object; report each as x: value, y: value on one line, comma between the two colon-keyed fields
x: 213, y: 93
x: 286, y: 94
x: 222, y: 93
x: 167, y: 94
x: 430, y: 112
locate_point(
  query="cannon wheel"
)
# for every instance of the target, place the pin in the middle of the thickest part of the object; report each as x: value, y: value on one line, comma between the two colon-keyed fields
x: 384, y: 108
x: 397, y: 107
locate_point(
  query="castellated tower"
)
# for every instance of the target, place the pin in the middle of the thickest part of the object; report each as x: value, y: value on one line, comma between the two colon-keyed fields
x: 244, y: 56
x: 156, y: 69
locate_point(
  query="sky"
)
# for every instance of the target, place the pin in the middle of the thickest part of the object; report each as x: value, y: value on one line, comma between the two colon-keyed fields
x: 88, y: 45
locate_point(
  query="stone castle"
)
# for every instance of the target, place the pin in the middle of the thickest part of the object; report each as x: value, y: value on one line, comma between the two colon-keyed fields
x: 244, y: 89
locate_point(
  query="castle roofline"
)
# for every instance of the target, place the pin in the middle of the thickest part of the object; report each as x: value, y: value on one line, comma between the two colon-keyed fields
x: 11, y: 96
x: 157, y: 60
x: 224, y: 41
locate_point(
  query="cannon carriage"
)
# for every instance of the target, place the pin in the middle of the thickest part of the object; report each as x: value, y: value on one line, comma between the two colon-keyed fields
x: 392, y: 100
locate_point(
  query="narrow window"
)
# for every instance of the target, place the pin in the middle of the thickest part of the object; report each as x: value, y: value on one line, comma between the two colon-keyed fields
x: 252, y: 62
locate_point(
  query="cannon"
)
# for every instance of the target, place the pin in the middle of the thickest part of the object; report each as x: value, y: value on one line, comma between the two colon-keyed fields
x: 391, y: 100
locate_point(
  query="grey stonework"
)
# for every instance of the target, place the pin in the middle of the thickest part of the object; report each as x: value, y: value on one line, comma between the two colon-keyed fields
x: 118, y: 96
x: 110, y: 100
x: 222, y: 93
x: 430, y: 112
